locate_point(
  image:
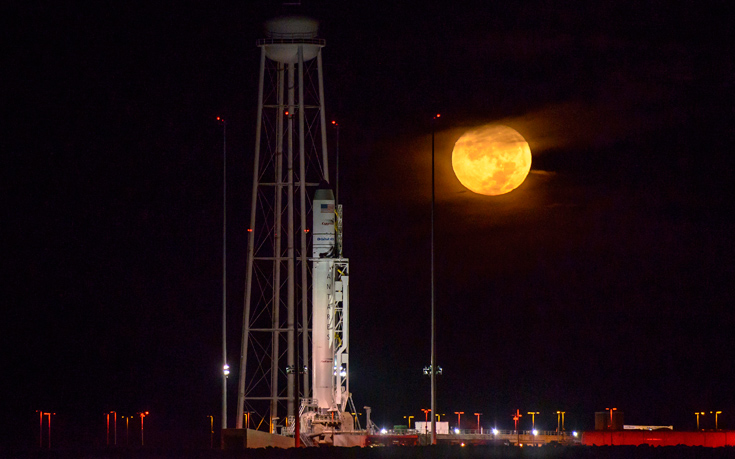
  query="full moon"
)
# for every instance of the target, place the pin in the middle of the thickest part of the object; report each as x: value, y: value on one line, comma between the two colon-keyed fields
x: 491, y: 160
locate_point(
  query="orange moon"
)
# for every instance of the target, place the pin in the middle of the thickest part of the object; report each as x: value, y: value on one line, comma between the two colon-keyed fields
x: 491, y: 160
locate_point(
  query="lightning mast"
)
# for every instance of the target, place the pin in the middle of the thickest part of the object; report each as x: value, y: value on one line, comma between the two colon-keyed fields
x: 290, y: 158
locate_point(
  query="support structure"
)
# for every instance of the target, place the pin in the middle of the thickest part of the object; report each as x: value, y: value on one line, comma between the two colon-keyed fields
x: 290, y: 161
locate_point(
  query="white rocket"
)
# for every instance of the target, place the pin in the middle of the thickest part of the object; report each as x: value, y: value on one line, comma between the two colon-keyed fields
x: 330, y: 311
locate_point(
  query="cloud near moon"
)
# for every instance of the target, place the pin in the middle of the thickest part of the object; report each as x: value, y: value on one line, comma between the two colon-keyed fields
x: 576, y: 125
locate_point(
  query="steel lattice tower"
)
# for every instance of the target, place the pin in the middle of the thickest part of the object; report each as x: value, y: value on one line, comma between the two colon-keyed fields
x: 290, y: 160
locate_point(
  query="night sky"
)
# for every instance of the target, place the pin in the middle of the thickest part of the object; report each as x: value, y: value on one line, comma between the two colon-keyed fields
x: 605, y: 280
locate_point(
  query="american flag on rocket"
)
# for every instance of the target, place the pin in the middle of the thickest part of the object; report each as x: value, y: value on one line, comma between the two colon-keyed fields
x: 327, y: 208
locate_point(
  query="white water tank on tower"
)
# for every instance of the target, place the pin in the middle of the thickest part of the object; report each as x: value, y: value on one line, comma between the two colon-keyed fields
x: 286, y: 34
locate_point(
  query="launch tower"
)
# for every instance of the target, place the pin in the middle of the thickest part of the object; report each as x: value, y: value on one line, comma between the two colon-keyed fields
x: 281, y: 326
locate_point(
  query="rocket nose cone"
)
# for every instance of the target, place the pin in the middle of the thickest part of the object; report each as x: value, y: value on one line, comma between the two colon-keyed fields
x: 324, y: 192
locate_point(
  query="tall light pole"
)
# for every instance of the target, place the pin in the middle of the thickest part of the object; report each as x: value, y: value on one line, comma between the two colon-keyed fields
x: 516, y: 418
x: 40, y: 429
x: 49, y: 427
x: 533, y: 419
x: 611, y: 416
x: 225, y: 367
x: 433, y: 321
x: 426, y: 413
x: 459, y: 415
x: 409, y: 420
x: 715, y: 413
x: 560, y: 415
x: 211, y: 431
x: 698, y: 413
x: 127, y: 430
x: 114, y: 426
x: 142, y: 416
x: 478, y: 420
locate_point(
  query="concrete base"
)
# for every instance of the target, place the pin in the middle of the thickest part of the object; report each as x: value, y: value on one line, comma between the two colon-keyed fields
x: 241, y: 439
x: 350, y: 440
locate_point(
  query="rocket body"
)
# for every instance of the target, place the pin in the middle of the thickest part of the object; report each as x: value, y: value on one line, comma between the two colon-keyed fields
x: 324, y: 235
x: 323, y: 253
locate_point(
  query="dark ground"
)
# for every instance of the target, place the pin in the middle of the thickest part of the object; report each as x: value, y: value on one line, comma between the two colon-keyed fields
x: 427, y: 452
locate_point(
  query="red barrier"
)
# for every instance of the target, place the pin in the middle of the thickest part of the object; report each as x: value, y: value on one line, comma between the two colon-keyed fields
x: 711, y: 439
